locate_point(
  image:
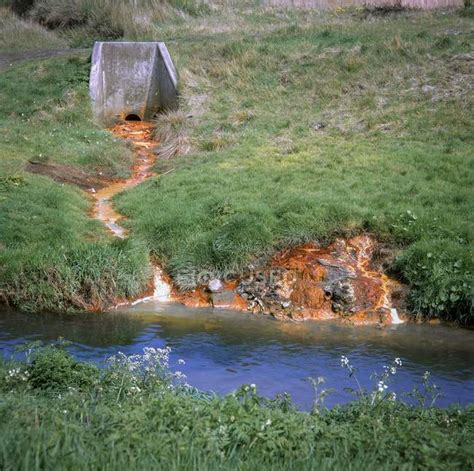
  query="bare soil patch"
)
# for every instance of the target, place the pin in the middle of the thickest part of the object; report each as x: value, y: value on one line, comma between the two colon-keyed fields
x: 67, y: 174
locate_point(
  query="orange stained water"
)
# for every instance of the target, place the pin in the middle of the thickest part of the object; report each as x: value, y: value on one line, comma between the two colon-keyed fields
x: 140, y: 134
x: 365, y: 246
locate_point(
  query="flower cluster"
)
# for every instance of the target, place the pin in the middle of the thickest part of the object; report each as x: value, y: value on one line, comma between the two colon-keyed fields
x: 17, y: 374
x: 252, y: 387
x: 345, y: 363
x: 380, y: 388
x: 152, y: 365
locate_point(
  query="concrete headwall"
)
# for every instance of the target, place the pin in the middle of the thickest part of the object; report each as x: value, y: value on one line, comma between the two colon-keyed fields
x: 131, y: 78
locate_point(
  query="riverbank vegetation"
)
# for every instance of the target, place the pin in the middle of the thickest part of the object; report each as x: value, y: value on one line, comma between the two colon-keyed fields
x: 297, y: 126
x: 137, y: 413
x: 52, y: 254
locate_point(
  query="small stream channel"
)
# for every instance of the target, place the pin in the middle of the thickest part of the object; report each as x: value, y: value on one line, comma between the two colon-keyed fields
x: 225, y: 349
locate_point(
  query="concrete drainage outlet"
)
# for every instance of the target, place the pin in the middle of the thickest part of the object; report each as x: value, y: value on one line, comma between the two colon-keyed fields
x: 132, y: 81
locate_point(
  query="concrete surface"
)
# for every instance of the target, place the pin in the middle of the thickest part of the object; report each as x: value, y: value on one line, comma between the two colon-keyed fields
x: 132, y: 78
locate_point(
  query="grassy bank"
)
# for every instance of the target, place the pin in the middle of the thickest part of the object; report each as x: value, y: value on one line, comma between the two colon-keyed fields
x: 296, y: 126
x: 312, y: 126
x: 138, y: 414
x: 52, y: 255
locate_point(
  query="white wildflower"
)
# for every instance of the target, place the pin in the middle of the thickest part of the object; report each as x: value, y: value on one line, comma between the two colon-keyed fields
x: 344, y: 361
x: 152, y: 364
x: 398, y: 362
x: 381, y: 386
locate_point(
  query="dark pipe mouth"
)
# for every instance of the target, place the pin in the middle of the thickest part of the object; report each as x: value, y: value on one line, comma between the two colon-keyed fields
x: 132, y: 117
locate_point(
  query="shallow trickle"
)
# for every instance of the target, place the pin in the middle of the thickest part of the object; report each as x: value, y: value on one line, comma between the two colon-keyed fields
x: 140, y: 134
x: 395, y: 318
x: 162, y: 291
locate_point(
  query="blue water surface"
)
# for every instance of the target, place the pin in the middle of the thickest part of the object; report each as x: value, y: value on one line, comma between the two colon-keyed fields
x: 224, y: 350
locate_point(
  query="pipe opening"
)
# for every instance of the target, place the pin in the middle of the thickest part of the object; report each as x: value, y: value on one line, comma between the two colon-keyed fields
x: 132, y: 117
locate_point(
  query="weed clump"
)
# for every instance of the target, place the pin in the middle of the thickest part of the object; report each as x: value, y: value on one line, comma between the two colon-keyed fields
x: 172, y: 131
x: 53, y: 369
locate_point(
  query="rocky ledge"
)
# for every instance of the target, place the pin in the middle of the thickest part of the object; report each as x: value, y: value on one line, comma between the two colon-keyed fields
x: 313, y: 282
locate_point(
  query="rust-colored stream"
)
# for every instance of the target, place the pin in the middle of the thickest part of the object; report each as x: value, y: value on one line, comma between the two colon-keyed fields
x: 140, y: 134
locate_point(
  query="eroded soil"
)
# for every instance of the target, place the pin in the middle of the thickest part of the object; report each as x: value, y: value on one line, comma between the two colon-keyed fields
x: 70, y: 174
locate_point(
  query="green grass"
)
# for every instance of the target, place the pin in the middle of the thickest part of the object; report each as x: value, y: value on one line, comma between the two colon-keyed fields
x: 297, y: 126
x: 394, y: 156
x: 45, y: 115
x: 52, y: 255
x: 58, y: 413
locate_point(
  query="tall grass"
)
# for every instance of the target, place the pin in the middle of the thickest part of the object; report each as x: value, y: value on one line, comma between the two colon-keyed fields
x: 59, y: 413
x: 18, y: 34
x: 109, y: 18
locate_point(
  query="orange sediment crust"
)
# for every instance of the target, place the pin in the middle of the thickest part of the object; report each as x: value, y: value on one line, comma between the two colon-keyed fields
x: 140, y: 134
x: 311, y: 282
x: 201, y: 297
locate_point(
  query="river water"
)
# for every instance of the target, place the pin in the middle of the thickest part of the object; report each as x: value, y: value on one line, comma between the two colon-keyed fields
x: 223, y: 349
